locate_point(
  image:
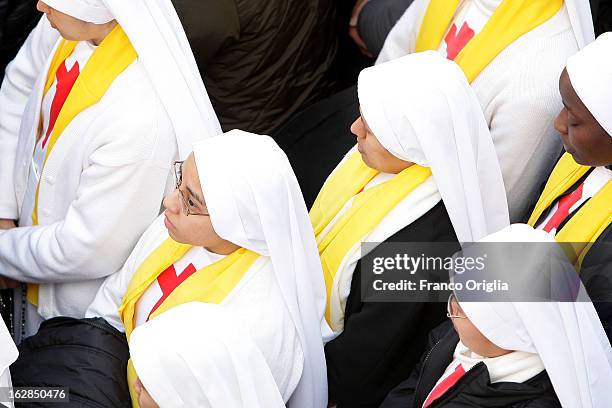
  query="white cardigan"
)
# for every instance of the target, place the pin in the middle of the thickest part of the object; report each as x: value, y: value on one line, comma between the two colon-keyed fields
x: 101, y: 187
x: 519, y: 95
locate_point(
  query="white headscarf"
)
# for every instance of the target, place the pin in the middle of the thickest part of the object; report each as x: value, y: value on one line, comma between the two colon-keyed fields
x: 567, y: 336
x: 8, y: 350
x: 422, y: 109
x: 254, y: 201
x: 157, y: 35
x: 590, y: 72
x: 91, y: 11
x: 195, y: 356
x: 581, y: 19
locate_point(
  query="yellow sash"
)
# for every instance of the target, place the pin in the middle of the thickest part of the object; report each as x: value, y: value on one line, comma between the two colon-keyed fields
x: 210, y: 285
x: 589, y: 222
x: 109, y: 60
x: 511, y: 19
x: 367, y: 210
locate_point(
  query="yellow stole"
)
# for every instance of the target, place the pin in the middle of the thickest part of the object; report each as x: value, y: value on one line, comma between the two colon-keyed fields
x: 108, y: 61
x: 367, y: 210
x: 511, y: 19
x: 209, y: 285
x: 589, y: 222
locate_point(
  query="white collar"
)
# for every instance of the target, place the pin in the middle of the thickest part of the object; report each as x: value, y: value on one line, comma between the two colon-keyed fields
x: 487, y: 6
x: 517, y: 366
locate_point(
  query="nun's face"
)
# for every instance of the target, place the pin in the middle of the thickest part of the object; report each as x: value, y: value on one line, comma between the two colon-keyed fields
x: 374, y: 155
x: 582, y: 136
x: 74, y: 29
x: 469, y: 334
x: 187, y: 218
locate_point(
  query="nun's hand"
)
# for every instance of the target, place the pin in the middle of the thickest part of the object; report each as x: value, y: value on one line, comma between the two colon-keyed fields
x: 7, y: 224
x: 8, y: 283
x: 144, y: 398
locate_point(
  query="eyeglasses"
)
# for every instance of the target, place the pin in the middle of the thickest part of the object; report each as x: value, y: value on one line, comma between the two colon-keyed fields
x: 186, y: 203
x: 449, y: 312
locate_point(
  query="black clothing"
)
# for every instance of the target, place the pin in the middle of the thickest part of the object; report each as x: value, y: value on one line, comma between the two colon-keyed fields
x: 88, y: 356
x: 376, y: 19
x: 6, y: 308
x: 3, y: 8
x: 596, y: 268
x: 17, y: 19
x: 382, y: 341
x: 261, y: 61
x: 474, y: 389
x: 596, y: 274
x: 318, y: 138
x: 602, y: 15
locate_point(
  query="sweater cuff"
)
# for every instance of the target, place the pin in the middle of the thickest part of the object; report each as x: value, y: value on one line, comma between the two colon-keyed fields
x: 8, y: 212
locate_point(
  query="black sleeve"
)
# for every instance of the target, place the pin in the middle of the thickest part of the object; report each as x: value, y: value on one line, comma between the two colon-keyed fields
x: 596, y: 274
x: 209, y: 26
x: 3, y: 8
x: 603, y: 15
x: 377, y: 349
x: 87, y: 356
x: 403, y: 395
x: 376, y: 19
x: 548, y: 400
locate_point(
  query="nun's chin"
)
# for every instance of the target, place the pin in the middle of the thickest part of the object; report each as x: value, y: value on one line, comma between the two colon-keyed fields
x: 365, y: 159
x: 171, y: 234
x: 171, y: 231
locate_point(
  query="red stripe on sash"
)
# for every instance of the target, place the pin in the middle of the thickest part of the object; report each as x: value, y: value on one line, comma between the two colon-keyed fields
x: 65, y: 82
x: 563, y: 209
x: 444, y: 386
x: 168, y: 281
x: 455, y: 42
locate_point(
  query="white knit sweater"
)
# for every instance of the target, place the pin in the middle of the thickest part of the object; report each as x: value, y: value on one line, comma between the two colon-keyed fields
x: 518, y: 92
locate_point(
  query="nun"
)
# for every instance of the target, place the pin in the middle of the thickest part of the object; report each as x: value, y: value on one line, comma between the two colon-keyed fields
x: 180, y: 362
x: 8, y: 354
x: 235, y: 233
x: 575, y: 205
x: 100, y: 100
x: 511, y: 52
x: 424, y: 170
x: 509, y: 353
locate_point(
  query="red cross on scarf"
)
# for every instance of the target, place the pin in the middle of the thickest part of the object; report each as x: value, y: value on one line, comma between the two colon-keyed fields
x: 563, y: 208
x: 168, y: 281
x: 455, y: 42
x: 444, y: 386
x: 65, y: 82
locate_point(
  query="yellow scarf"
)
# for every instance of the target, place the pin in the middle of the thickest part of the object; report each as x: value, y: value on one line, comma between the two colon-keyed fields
x: 107, y: 62
x: 367, y: 210
x: 511, y: 19
x: 589, y: 222
x: 209, y: 285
